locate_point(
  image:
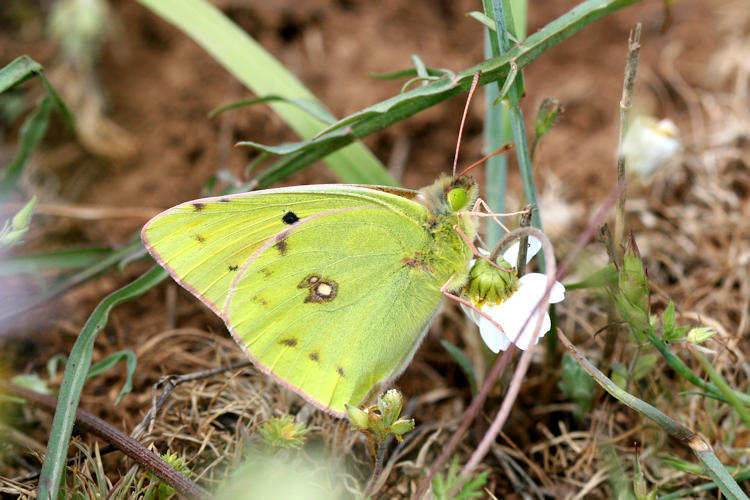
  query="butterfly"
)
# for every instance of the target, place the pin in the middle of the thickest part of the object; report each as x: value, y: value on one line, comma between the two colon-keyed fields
x: 330, y: 289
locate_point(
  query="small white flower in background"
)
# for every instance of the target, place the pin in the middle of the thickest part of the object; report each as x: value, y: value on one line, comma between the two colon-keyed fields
x: 649, y: 144
x: 512, y: 311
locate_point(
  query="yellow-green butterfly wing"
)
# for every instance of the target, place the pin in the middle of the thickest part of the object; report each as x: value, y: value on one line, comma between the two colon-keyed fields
x: 329, y: 288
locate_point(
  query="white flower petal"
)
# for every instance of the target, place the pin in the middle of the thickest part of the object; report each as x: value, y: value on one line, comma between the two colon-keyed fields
x: 512, y: 314
x: 494, y: 338
x: 511, y: 254
x: 471, y: 313
x: 536, y: 283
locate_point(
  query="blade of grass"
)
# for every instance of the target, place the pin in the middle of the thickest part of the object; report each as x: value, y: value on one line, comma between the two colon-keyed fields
x: 678, y: 366
x: 55, y: 260
x: 24, y: 68
x: 264, y: 75
x: 76, y: 371
x: 700, y: 447
x: 31, y: 134
x: 115, y: 257
x: 497, y: 122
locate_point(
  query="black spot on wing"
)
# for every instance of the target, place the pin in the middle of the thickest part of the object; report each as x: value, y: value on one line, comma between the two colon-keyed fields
x: 340, y: 371
x: 225, y: 200
x: 199, y: 206
x: 290, y: 342
x: 314, y: 356
x: 289, y: 218
x: 199, y: 238
x: 233, y: 268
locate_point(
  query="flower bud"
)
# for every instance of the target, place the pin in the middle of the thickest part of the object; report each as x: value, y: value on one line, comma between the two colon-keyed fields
x: 700, y: 334
x: 546, y: 117
x: 390, y: 405
x: 632, y: 296
x: 358, y: 417
x: 488, y: 284
x: 401, y: 427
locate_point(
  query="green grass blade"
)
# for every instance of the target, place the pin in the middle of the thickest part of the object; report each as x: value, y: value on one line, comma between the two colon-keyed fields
x: 729, y: 394
x: 76, y: 371
x: 55, y: 260
x: 23, y: 68
x: 101, y: 265
x: 311, y: 107
x: 131, y: 361
x: 31, y: 134
x: 264, y: 75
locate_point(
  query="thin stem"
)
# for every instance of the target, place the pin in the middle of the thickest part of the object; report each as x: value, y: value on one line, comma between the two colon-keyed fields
x: 626, y: 102
x: 515, y: 385
x: 132, y: 448
x: 722, y: 385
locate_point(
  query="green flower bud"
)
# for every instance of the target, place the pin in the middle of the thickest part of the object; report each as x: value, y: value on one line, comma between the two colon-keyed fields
x: 546, y: 117
x: 390, y: 405
x: 488, y: 284
x: 23, y: 218
x: 401, y: 427
x: 358, y: 418
x: 700, y: 334
x: 632, y: 295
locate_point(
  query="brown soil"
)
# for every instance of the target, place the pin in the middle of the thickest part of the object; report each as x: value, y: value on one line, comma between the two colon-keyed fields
x: 158, y: 87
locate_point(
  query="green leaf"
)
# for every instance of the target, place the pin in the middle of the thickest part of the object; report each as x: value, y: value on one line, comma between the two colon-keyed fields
x: 401, y: 106
x: 604, y: 277
x: 32, y: 381
x: 53, y: 362
x: 576, y: 384
x: 643, y: 365
x: 668, y: 326
x: 31, y: 134
x: 23, y: 68
x: 130, y: 361
x: 312, y: 107
x: 11, y: 233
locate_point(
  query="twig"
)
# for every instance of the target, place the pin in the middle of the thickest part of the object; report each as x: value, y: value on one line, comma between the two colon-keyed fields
x: 523, y: 248
x: 626, y: 102
x: 132, y: 448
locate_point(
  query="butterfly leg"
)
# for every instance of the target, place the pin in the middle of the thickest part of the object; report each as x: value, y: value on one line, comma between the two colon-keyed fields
x: 476, y: 251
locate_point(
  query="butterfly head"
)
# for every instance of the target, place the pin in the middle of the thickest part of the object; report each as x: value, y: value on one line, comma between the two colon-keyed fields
x: 450, y: 194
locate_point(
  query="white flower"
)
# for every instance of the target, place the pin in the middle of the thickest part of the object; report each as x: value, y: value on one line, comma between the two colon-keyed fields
x: 649, y: 145
x: 512, y: 313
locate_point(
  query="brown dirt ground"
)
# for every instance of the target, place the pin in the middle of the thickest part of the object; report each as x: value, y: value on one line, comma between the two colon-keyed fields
x: 159, y: 86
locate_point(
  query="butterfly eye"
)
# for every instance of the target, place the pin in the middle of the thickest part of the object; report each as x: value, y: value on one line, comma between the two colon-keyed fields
x: 457, y: 198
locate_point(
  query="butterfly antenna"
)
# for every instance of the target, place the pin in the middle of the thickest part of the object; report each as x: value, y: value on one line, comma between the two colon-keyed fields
x: 473, y: 89
x: 502, y: 149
